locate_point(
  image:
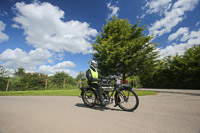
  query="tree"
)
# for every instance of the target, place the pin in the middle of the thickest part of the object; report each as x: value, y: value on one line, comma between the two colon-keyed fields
x: 123, y: 48
x: 3, y: 71
x: 180, y: 71
x: 61, y: 78
x: 19, y: 72
x: 81, y: 79
x: 30, y: 81
x: 81, y: 75
x: 3, y: 79
x: 192, y: 67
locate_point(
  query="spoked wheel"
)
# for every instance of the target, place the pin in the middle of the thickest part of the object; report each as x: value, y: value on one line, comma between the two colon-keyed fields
x: 89, y: 97
x: 127, y: 100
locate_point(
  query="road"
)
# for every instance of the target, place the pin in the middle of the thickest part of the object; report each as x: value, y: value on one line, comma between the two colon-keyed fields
x: 164, y: 112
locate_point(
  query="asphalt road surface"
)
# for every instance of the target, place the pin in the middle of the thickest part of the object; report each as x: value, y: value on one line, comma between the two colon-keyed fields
x: 164, y: 112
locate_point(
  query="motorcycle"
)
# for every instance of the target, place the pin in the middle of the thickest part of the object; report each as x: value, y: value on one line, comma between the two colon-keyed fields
x: 122, y: 94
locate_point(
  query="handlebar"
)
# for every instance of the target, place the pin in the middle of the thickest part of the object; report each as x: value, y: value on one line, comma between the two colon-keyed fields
x: 114, y: 77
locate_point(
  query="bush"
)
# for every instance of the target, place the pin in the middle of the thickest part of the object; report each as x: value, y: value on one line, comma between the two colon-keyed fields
x: 3, y: 83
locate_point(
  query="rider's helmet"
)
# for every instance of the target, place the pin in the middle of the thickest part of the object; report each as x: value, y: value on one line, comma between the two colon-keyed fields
x: 93, y: 64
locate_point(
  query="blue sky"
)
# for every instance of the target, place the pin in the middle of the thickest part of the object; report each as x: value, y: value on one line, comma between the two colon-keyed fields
x: 49, y: 36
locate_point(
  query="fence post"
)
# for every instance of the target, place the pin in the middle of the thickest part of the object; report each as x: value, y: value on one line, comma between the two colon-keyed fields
x: 79, y: 84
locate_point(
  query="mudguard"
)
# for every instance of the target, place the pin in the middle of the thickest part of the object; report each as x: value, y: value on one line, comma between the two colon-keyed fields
x: 83, y: 89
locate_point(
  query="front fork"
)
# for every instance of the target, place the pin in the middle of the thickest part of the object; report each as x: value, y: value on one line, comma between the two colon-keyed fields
x: 117, y: 97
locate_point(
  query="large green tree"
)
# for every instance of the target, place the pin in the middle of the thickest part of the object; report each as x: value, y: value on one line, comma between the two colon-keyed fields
x: 61, y: 78
x: 19, y: 72
x: 29, y: 81
x: 81, y: 75
x: 3, y: 79
x: 125, y: 44
x: 3, y: 71
x: 180, y: 71
x: 191, y: 67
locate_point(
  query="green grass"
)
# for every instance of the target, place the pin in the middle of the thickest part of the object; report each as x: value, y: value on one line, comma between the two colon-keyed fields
x: 42, y: 93
x: 144, y: 93
x: 58, y: 93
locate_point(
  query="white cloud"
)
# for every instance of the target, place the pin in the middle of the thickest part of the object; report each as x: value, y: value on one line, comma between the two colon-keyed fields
x: 44, y: 28
x: 172, y: 17
x: 64, y: 64
x: 186, y: 41
x: 142, y: 16
x: 34, y: 61
x: 60, y: 67
x: 15, y: 26
x: 3, y: 36
x: 4, y: 13
x: 181, y: 31
x: 172, y: 50
x: 183, y: 34
x: 114, y: 10
x: 197, y: 23
x: 13, y: 59
x: 157, y: 6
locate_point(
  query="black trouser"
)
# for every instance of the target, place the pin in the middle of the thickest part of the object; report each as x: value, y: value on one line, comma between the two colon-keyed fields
x: 99, y: 91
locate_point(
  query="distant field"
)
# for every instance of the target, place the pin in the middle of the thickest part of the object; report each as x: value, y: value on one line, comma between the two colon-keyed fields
x: 58, y: 93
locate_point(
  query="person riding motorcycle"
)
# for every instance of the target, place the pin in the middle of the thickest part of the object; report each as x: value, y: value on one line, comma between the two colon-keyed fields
x: 93, y: 78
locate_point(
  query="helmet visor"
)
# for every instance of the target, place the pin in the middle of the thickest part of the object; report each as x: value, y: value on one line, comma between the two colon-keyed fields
x: 94, y: 64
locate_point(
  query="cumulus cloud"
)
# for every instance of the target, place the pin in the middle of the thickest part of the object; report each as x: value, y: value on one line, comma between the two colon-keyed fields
x: 34, y: 61
x: 172, y: 18
x: 172, y: 13
x: 181, y: 31
x: 186, y: 39
x: 157, y: 6
x: 60, y: 67
x: 13, y: 59
x: 114, y: 10
x: 44, y: 28
x: 172, y: 50
x: 183, y: 34
x: 3, y: 36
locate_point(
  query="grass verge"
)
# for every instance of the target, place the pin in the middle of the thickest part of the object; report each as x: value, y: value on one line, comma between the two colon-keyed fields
x: 59, y: 93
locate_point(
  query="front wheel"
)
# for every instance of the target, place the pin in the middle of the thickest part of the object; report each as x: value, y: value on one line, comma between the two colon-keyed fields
x: 89, y: 97
x: 127, y: 99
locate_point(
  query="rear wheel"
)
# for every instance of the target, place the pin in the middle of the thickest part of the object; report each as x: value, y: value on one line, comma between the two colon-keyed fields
x: 89, y: 97
x: 127, y: 100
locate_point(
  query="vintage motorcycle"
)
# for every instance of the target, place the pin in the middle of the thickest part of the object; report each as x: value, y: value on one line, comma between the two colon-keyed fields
x: 122, y: 94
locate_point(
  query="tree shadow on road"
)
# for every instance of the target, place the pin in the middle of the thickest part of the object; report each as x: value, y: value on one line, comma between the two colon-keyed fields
x: 97, y: 107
